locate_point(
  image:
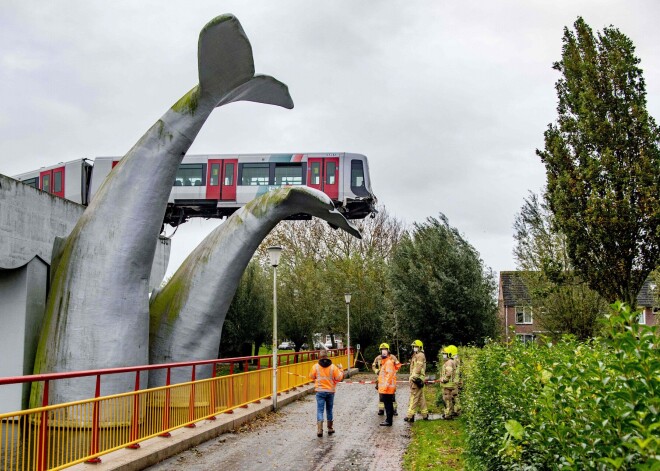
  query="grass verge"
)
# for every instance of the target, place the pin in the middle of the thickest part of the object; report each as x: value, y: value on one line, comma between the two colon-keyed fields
x: 435, y: 444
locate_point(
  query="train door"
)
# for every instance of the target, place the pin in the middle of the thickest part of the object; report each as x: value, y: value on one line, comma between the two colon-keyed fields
x: 229, y: 175
x: 52, y: 181
x: 213, y: 179
x: 323, y: 174
x: 221, y: 179
x: 45, y: 181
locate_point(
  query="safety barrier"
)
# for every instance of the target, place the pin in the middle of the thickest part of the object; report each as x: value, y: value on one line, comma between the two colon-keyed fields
x: 60, y: 435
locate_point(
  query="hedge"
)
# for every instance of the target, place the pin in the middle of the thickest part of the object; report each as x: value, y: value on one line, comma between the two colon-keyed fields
x: 569, y: 405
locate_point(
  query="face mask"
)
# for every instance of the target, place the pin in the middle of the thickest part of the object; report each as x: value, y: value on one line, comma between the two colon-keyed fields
x: 415, y: 349
x: 444, y: 356
x: 383, y: 353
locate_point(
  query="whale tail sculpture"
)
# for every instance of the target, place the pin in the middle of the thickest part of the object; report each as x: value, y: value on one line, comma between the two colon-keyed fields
x: 188, y: 313
x: 97, y: 313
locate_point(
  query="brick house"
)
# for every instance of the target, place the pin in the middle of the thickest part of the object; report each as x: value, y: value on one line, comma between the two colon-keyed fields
x: 514, y: 307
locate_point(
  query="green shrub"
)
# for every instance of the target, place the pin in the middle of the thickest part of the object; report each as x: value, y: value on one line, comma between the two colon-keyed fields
x: 572, y: 405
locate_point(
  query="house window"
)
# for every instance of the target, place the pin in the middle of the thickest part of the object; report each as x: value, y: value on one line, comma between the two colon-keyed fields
x: 524, y: 315
x: 641, y: 319
x: 525, y: 338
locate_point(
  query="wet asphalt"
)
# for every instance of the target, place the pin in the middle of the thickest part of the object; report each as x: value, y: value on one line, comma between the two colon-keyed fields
x: 286, y: 440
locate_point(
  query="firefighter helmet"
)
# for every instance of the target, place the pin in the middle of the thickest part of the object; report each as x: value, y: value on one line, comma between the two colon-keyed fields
x: 418, y: 343
x: 384, y: 345
x: 450, y: 350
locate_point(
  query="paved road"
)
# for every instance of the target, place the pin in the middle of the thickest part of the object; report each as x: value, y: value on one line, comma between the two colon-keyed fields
x: 287, y: 439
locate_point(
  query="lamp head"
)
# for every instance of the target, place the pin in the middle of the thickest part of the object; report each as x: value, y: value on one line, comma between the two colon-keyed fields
x: 274, y: 253
x: 347, y: 297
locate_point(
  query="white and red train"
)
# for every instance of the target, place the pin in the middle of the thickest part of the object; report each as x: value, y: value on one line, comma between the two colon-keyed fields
x: 214, y: 186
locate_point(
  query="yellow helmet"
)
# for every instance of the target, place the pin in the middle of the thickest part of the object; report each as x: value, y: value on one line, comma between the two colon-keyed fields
x: 450, y: 350
x: 384, y: 345
x: 417, y: 343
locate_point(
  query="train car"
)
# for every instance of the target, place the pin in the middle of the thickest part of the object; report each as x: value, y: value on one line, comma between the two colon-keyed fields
x: 214, y: 186
x: 68, y: 180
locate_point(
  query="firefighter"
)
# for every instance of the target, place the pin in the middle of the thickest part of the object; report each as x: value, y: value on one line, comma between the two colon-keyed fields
x: 375, y: 366
x: 389, y: 365
x: 417, y: 377
x: 449, y: 381
x: 325, y: 376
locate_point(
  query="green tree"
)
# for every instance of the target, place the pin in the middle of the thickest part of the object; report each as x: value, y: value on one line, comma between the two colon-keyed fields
x: 603, y: 163
x: 562, y: 302
x: 248, y: 318
x: 443, y: 292
x: 320, y: 264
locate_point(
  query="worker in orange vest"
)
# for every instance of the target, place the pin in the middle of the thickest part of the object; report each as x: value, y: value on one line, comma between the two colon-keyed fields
x: 325, y: 376
x: 389, y: 365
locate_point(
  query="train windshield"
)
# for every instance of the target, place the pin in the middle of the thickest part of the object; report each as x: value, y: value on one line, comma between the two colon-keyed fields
x: 358, y: 185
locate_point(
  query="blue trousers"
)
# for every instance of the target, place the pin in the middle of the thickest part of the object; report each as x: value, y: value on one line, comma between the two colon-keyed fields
x: 324, y: 400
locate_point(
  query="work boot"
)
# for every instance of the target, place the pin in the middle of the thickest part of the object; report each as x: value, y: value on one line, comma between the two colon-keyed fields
x: 319, y: 429
x: 381, y: 412
x: 386, y: 424
x: 425, y: 417
x: 409, y: 419
x: 330, y: 429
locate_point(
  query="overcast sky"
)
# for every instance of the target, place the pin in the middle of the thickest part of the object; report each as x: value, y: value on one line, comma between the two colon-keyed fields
x: 447, y: 99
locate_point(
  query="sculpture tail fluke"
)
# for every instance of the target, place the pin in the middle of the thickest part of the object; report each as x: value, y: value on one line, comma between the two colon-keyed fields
x: 226, y: 67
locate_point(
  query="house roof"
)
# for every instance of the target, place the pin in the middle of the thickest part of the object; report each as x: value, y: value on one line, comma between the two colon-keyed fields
x: 514, y: 291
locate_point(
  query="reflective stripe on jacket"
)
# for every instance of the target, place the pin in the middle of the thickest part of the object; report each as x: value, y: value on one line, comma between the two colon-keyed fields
x: 387, y: 375
x: 326, y: 379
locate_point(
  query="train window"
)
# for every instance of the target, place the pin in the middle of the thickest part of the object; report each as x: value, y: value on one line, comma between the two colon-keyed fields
x: 357, y: 178
x: 32, y: 182
x: 57, y: 182
x: 215, y: 174
x: 229, y: 174
x: 255, y: 174
x: 45, y: 183
x: 316, y: 173
x: 288, y: 174
x: 331, y: 173
x: 190, y: 174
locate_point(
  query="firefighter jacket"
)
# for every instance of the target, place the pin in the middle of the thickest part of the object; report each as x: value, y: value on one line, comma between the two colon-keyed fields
x: 387, y: 375
x: 448, y: 374
x: 325, y: 376
x: 418, y: 366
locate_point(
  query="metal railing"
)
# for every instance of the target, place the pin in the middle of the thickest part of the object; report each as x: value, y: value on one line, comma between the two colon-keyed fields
x: 56, y: 436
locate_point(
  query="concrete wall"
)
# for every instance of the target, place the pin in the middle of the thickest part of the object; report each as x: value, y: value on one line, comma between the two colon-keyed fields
x: 23, y: 298
x: 29, y: 222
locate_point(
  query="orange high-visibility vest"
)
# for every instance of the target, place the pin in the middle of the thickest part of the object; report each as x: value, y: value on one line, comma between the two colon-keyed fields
x: 326, y: 378
x: 387, y: 375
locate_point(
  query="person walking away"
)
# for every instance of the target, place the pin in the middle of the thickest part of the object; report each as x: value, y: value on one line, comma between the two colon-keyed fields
x: 389, y: 365
x: 417, y: 378
x: 448, y: 380
x: 375, y: 366
x: 325, y: 376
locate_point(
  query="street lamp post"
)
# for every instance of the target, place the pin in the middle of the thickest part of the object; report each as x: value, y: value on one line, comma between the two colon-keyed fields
x: 347, y: 298
x: 274, y: 253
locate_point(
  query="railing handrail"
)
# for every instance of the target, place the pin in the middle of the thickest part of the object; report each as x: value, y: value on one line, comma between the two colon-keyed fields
x: 133, y: 369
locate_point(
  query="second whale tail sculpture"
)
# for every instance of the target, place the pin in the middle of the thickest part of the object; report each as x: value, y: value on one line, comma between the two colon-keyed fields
x: 188, y: 313
x: 97, y: 313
